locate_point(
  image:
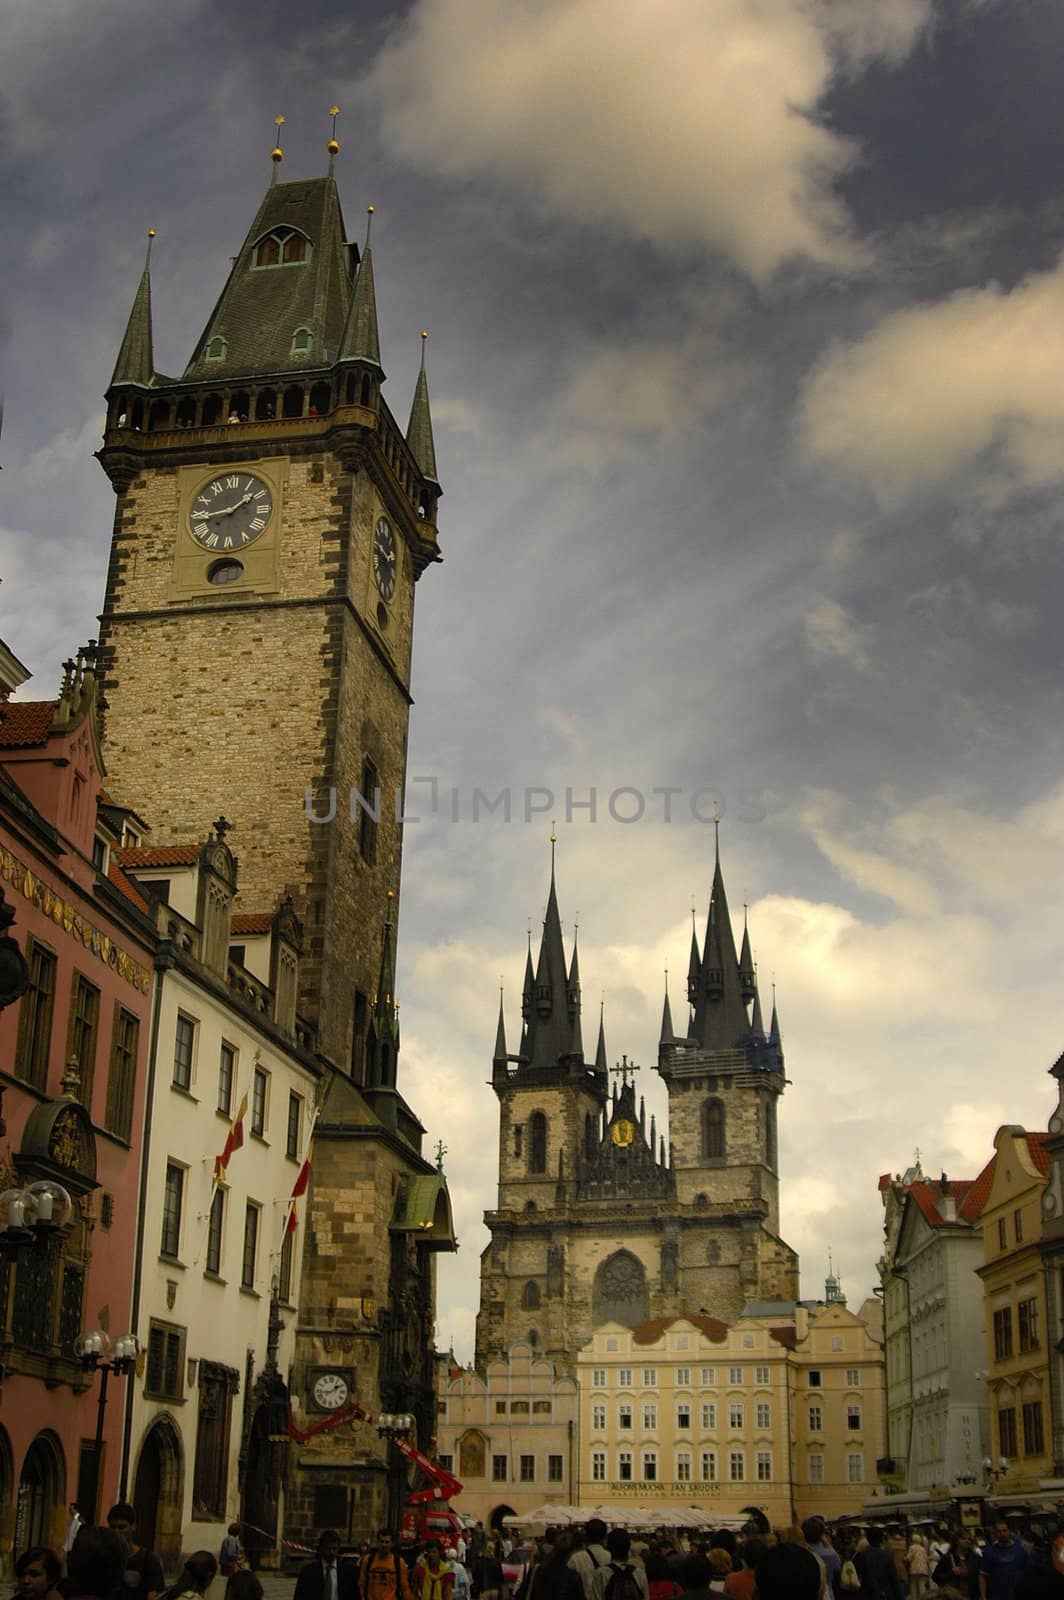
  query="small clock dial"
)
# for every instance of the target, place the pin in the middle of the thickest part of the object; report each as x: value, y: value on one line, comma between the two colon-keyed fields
x: 230, y: 511
x: 330, y: 1391
x: 384, y: 557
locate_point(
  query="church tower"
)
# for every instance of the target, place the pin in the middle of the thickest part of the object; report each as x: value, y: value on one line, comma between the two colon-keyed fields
x: 600, y: 1218
x: 272, y: 520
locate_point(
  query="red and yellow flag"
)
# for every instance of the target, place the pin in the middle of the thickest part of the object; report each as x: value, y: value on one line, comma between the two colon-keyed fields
x: 234, y: 1141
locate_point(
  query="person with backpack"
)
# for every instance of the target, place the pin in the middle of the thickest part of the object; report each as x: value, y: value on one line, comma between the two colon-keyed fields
x: 590, y: 1554
x: 383, y: 1574
x: 619, y: 1579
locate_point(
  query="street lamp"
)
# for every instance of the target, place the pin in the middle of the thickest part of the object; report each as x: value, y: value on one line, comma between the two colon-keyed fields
x: 96, y: 1350
x: 29, y: 1216
x: 395, y: 1424
x: 992, y: 1472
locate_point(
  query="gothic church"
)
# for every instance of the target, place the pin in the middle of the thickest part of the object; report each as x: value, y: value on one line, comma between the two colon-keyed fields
x: 601, y: 1218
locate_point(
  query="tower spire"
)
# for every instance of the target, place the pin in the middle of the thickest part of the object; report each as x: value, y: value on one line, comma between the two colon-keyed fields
x: 774, y: 1025
x: 694, y: 965
x: 550, y: 1026
x: 668, y: 1035
x: 136, y: 361
x: 419, y: 428
x: 361, y: 340
x: 747, y: 972
x: 601, y: 1058
x: 720, y: 1019
x: 499, y: 1057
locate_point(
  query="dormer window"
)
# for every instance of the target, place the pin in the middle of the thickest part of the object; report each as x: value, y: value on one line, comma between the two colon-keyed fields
x: 284, y: 247
x: 217, y: 348
x: 301, y: 341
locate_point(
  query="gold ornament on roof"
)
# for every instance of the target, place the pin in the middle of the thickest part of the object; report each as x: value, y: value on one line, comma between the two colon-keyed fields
x: 333, y: 145
x: 277, y: 154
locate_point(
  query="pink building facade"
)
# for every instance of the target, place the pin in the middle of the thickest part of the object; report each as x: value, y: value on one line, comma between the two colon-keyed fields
x: 73, y: 1049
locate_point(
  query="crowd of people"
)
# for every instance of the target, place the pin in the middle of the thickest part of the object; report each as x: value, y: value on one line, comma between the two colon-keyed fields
x: 810, y: 1562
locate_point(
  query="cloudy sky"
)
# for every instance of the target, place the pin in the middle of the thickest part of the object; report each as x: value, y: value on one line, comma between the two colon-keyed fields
x: 747, y: 342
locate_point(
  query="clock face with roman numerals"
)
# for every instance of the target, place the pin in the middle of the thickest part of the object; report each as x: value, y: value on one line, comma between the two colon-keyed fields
x: 230, y: 511
x: 384, y: 557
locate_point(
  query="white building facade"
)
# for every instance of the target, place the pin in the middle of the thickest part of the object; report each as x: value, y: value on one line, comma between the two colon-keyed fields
x: 230, y: 1074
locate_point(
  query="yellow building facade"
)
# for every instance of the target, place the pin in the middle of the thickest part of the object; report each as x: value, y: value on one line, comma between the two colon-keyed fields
x: 783, y: 1411
x: 1015, y: 1313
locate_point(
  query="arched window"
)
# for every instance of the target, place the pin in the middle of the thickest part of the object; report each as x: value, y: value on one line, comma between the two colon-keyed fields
x: 185, y: 416
x: 349, y: 390
x: 217, y: 348
x: 530, y: 1296
x: 471, y: 1455
x: 713, y: 1130
x: 292, y: 405
x: 537, y: 1142
x: 770, y: 1134
x: 589, y: 1136
x: 365, y: 391
x: 284, y: 247
x: 211, y: 414
x: 320, y: 399
x: 302, y: 340
x: 620, y: 1291
x: 159, y: 414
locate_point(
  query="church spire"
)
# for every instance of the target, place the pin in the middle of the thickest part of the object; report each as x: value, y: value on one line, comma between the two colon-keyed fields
x: 550, y: 1027
x: 694, y: 965
x: 419, y: 428
x: 136, y: 361
x: 757, y: 1021
x: 720, y: 1019
x: 361, y: 341
x: 774, y: 1025
x: 576, y: 1040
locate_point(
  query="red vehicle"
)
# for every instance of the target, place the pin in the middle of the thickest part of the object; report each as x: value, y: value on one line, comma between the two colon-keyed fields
x: 426, y: 1514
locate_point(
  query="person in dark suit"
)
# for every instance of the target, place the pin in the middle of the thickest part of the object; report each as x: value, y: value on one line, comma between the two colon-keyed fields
x: 877, y: 1570
x: 327, y: 1577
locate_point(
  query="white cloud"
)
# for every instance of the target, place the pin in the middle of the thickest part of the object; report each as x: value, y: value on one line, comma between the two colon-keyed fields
x: 830, y: 631
x: 931, y: 390
x: 928, y: 1022
x: 682, y: 121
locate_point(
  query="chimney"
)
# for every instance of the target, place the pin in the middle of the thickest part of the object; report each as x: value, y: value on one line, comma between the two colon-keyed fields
x: 947, y: 1206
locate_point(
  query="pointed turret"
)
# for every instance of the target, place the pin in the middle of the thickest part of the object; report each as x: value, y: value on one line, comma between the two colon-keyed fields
x: 136, y: 360
x: 528, y: 991
x: 361, y: 340
x: 576, y: 1038
x: 757, y: 1021
x: 747, y: 973
x: 720, y: 1019
x: 774, y: 1026
x: 419, y: 428
x: 695, y: 963
x: 382, y: 1035
x: 667, y: 1034
x: 601, y: 1059
x: 499, y: 1058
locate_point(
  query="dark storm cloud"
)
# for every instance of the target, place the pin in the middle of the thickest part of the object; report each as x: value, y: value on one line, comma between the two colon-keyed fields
x: 651, y: 575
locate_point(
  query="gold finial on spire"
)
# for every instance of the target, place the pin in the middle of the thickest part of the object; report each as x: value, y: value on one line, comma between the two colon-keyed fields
x: 151, y: 241
x: 277, y: 154
x: 333, y: 145
x: 369, y: 225
x: 424, y: 337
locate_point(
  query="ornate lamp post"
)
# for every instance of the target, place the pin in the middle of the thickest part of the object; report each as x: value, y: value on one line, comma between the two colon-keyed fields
x: 96, y: 1350
x: 394, y: 1425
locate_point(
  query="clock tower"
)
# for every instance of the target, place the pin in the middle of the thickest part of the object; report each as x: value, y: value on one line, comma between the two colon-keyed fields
x: 271, y: 522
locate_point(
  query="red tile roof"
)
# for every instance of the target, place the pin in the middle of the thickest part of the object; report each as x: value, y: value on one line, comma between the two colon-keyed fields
x: 649, y: 1332
x: 885, y: 1181
x: 786, y: 1336
x: 159, y: 855
x: 980, y: 1190
x: 1036, y: 1146
x: 26, y: 722
x: 126, y: 887
x: 252, y: 922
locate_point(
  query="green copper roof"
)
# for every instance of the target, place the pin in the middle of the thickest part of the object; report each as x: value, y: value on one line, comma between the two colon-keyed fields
x: 424, y: 1208
x: 262, y: 308
x: 135, y: 362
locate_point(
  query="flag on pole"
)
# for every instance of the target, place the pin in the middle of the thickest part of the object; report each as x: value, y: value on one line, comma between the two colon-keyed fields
x: 234, y: 1141
x: 298, y: 1188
